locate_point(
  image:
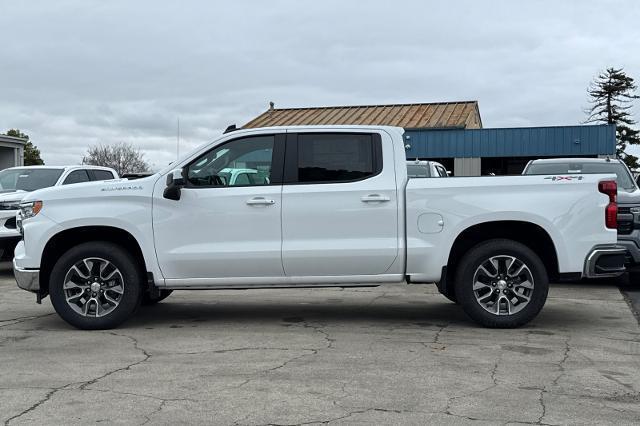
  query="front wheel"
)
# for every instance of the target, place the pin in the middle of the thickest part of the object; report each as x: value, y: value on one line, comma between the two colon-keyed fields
x: 95, y: 286
x: 501, y: 284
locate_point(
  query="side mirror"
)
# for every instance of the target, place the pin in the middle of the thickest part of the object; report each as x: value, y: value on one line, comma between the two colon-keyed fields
x: 175, y: 182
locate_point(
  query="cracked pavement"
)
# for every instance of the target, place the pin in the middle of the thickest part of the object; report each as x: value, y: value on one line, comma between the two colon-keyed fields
x: 386, y: 355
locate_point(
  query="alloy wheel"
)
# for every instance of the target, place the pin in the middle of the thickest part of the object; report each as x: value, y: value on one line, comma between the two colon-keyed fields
x: 503, y: 285
x: 93, y: 287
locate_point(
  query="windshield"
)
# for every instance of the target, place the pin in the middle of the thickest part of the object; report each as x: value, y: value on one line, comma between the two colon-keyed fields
x: 623, y: 179
x: 28, y: 179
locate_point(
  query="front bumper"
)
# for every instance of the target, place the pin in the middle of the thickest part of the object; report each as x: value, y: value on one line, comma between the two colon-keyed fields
x: 9, y: 241
x: 605, y: 261
x: 8, y: 224
x: 27, y: 279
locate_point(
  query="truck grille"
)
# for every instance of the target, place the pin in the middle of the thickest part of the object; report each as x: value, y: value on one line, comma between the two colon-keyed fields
x: 625, y: 220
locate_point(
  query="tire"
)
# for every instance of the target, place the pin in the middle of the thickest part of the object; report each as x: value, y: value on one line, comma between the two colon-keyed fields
x: 501, y: 300
x: 451, y: 295
x: 102, y: 274
x: 147, y: 300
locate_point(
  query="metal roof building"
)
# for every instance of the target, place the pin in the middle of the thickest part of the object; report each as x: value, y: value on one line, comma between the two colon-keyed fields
x: 465, y: 115
x: 452, y: 133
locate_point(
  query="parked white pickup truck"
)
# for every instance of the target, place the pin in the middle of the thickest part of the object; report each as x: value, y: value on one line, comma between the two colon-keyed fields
x: 336, y: 209
x: 16, y: 182
x: 426, y: 169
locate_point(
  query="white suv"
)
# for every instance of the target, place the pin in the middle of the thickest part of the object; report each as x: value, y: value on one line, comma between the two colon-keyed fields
x: 17, y: 182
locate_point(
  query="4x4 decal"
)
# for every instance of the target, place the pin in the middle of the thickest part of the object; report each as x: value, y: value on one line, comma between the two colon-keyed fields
x: 555, y: 178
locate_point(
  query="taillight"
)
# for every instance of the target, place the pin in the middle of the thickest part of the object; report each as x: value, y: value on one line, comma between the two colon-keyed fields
x: 610, y: 188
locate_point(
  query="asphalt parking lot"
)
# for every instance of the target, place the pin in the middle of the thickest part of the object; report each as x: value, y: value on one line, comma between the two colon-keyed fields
x: 392, y: 355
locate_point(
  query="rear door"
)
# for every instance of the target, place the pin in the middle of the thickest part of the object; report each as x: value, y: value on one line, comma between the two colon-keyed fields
x: 339, y: 205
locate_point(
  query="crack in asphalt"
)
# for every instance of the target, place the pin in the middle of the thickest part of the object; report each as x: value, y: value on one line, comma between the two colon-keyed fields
x: 224, y: 351
x: 565, y: 357
x: 20, y: 320
x: 37, y: 404
x: 84, y: 384
x: 350, y: 414
x: 494, y: 380
x: 618, y: 381
x: 309, y: 351
x: 542, y: 406
x: 543, y: 390
x: 128, y: 367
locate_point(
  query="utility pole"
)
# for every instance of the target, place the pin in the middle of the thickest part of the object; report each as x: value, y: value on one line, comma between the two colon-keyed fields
x: 178, y: 141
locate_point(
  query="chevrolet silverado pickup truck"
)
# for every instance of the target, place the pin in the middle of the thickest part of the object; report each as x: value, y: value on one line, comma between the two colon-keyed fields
x: 335, y: 208
x: 16, y: 182
x: 425, y: 169
x: 628, y: 198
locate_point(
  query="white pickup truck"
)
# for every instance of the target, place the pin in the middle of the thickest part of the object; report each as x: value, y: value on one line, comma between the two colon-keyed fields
x: 16, y: 182
x: 334, y: 208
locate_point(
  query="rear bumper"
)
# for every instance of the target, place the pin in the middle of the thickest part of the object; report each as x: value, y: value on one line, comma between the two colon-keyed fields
x: 27, y: 279
x: 631, y: 247
x: 605, y: 261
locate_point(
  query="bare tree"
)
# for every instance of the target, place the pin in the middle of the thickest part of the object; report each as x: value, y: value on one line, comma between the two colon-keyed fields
x: 122, y: 157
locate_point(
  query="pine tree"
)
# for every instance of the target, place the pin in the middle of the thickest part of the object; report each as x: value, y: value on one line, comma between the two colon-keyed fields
x: 612, y: 93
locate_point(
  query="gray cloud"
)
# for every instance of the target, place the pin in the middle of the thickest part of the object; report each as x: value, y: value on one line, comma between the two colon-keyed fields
x: 76, y: 73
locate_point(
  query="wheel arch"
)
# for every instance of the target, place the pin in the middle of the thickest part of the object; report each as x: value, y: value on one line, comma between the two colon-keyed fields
x: 527, y: 233
x: 64, y: 240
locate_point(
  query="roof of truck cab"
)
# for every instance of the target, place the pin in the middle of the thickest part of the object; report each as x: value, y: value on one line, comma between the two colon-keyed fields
x: 575, y: 159
x: 61, y: 167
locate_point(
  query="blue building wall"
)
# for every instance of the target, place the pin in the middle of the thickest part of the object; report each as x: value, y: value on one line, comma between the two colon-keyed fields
x: 512, y: 142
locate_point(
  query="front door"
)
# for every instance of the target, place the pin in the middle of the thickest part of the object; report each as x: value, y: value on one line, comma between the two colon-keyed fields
x: 339, y: 206
x: 227, y: 221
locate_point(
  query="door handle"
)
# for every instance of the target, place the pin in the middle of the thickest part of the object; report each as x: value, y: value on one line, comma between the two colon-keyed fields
x: 375, y: 198
x: 260, y: 201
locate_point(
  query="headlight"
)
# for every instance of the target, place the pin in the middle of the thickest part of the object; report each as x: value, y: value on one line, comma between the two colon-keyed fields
x: 10, y: 205
x: 30, y: 209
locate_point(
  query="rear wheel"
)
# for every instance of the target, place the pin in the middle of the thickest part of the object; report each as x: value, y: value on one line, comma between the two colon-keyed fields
x: 95, y: 286
x: 501, y: 284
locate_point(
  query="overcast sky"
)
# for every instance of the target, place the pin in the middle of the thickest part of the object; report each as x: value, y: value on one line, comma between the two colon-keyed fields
x: 76, y: 73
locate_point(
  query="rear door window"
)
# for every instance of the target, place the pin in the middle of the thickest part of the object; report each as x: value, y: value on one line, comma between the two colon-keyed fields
x: 334, y: 158
x: 76, y: 176
x: 102, y: 174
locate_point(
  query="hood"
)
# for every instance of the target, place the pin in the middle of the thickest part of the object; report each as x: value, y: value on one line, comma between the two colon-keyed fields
x: 10, y: 196
x: 629, y: 197
x: 104, y: 188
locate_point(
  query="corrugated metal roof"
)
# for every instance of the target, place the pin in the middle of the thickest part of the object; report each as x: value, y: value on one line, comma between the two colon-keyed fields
x: 464, y: 114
